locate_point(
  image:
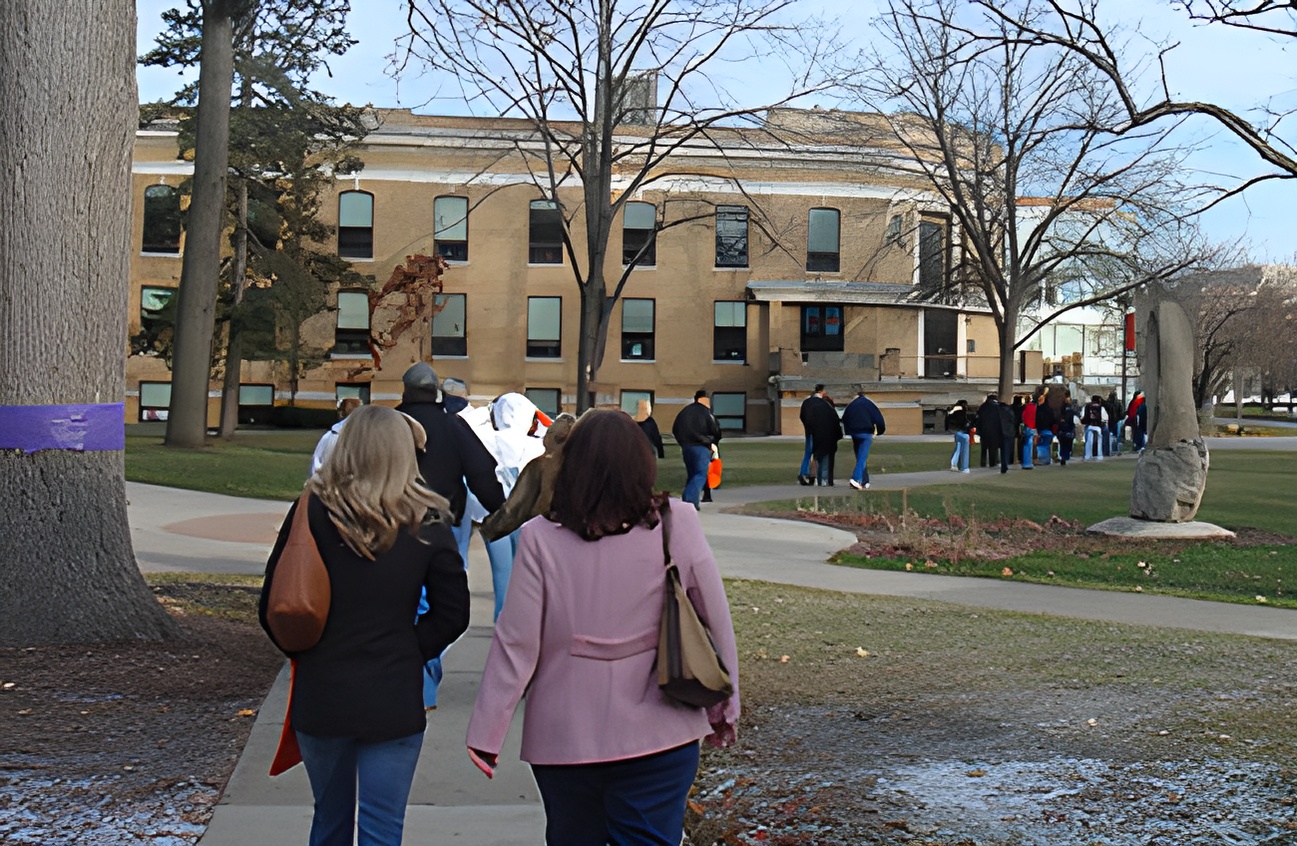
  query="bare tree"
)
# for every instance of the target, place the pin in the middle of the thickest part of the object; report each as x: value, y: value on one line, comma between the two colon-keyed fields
x: 611, y: 90
x: 995, y: 127
x: 66, y: 561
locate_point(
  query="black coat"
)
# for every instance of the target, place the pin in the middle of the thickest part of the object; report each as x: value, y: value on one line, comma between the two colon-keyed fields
x: 824, y: 427
x: 364, y: 679
x: 695, y: 425
x: 454, y: 454
x: 988, y: 422
x: 649, y: 427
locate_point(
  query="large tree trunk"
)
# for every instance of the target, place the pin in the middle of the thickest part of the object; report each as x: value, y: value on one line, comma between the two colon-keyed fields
x: 1008, y: 331
x: 233, y: 337
x: 200, y: 271
x: 67, y: 81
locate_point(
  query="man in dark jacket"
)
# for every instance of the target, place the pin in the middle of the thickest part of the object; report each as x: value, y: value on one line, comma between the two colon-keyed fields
x: 988, y: 429
x: 696, y: 430
x: 808, y: 404
x: 454, y: 454
x: 861, y: 421
x: 1008, y: 435
x: 825, y: 430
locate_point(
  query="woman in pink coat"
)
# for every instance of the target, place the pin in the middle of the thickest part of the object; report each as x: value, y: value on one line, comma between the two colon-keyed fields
x: 614, y: 758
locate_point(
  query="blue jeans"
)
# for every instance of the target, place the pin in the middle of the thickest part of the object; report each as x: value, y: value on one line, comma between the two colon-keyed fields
x: 500, y: 552
x: 960, y: 456
x: 1028, y: 437
x: 637, y: 801
x: 696, y: 460
x: 1042, y: 450
x: 343, y: 770
x: 806, y: 459
x: 1095, y: 438
x: 824, y: 468
x: 861, y: 444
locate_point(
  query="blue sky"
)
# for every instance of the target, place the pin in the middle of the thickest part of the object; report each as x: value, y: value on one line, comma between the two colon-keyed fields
x: 1236, y: 69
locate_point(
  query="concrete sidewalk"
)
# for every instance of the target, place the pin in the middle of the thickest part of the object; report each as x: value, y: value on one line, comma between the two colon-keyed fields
x: 451, y: 802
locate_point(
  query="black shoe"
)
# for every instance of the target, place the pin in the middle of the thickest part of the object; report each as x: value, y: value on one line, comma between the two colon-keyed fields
x: 805, y: 481
x: 707, y: 497
x: 1004, y: 469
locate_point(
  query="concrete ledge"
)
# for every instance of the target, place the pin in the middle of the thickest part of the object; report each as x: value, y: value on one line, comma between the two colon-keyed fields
x: 1131, y: 527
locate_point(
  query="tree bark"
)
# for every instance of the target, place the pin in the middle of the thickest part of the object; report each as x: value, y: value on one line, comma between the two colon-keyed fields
x: 233, y: 341
x: 67, y: 81
x: 200, y: 270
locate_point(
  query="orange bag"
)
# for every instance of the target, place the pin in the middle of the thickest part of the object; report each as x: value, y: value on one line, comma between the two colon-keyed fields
x: 289, y: 754
x: 714, y: 474
x: 298, y: 605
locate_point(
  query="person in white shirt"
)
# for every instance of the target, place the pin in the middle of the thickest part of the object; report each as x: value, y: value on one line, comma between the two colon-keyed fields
x: 329, y: 438
x: 1095, y: 419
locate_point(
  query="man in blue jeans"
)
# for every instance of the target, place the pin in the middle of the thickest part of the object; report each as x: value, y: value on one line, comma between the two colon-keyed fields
x: 696, y: 430
x: 861, y: 421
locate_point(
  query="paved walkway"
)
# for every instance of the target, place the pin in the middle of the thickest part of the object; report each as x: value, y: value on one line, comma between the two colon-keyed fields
x: 451, y: 802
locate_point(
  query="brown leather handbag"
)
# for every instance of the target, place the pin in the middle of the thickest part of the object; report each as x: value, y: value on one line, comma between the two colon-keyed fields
x: 689, y: 669
x: 300, y: 591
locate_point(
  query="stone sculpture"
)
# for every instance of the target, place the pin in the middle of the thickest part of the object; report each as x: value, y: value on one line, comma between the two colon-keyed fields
x: 1172, y: 473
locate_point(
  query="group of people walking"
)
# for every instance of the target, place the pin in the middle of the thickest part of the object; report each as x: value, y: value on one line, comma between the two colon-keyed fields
x: 861, y: 421
x: 1025, y: 432
x: 578, y: 566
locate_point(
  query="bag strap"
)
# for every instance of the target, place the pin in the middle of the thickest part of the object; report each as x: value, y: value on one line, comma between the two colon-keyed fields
x: 301, y: 520
x: 664, y: 514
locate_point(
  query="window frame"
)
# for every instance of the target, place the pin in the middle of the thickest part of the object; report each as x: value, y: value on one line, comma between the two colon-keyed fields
x: 723, y: 419
x: 544, y: 252
x: 634, y: 396
x: 451, y: 249
x: 161, y: 247
x: 926, y: 257
x: 351, y: 341
x: 646, y: 340
x: 628, y: 252
x: 737, y: 212
x: 159, y: 411
x: 548, y: 349
x: 452, y: 344
x: 345, y: 390
x: 533, y: 393
x: 719, y: 332
x: 356, y: 243
x: 823, y: 261
x: 822, y: 332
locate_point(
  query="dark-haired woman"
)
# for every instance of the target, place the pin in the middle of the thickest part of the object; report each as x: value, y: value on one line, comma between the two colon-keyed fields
x: 614, y: 758
x: 357, y: 703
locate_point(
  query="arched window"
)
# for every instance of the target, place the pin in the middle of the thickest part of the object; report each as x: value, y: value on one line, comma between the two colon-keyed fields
x: 356, y: 225
x: 161, y: 220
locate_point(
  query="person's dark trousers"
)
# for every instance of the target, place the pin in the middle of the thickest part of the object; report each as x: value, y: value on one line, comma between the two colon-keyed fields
x: 1105, y: 440
x: 1065, y: 442
x: 1006, y: 453
x: 639, y: 801
x: 342, y: 770
x: 824, y: 469
x: 990, y: 453
x: 696, y: 460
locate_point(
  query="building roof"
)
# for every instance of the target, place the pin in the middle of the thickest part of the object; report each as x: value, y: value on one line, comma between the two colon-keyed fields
x: 850, y: 293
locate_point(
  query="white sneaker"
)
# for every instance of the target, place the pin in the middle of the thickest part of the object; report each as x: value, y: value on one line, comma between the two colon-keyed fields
x: 965, y: 471
x: 866, y: 486
x: 954, y: 469
x: 856, y: 484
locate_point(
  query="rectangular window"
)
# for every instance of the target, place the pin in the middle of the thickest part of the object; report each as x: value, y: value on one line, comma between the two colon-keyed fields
x: 545, y: 239
x: 731, y: 236
x: 822, y: 328
x: 351, y: 390
x: 972, y: 345
x: 255, y: 403
x: 352, y: 334
x: 637, y: 330
x: 161, y: 220
x: 157, y: 317
x: 730, y: 332
x: 630, y: 401
x: 730, y: 410
x: 356, y: 225
x: 448, y: 336
x: 155, y: 400
x: 544, y: 327
x: 450, y: 227
x: 932, y: 256
x: 548, y: 400
x: 638, y: 241
x: 822, y: 241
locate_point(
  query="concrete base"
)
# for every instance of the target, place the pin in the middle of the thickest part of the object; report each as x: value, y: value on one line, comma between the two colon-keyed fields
x: 1130, y: 527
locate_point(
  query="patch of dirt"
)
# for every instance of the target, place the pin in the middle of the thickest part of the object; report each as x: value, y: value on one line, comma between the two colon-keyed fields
x: 131, y: 742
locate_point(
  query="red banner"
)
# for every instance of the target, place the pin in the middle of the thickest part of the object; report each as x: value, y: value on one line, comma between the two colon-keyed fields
x: 1130, y: 331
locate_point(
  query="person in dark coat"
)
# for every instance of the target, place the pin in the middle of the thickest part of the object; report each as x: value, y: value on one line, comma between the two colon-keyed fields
x: 696, y: 430
x: 649, y: 426
x: 958, y: 422
x: 1008, y: 435
x: 1066, y: 430
x: 862, y: 421
x: 1046, y: 424
x: 989, y: 431
x: 817, y: 395
x: 357, y: 703
x: 825, y: 430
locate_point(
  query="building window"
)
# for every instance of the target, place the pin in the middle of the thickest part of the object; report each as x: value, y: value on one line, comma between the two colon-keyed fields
x: 637, y: 329
x: 639, y: 222
x: 545, y: 241
x: 731, y: 236
x: 972, y: 345
x: 155, y: 399
x: 156, y: 317
x: 448, y: 337
x: 730, y: 332
x: 822, y: 328
x: 893, y: 235
x: 730, y: 410
x: 351, y: 390
x: 352, y: 335
x: 822, y: 241
x: 450, y: 227
x: 630, y: 401
x: 932, y: 256
x: 255, y: 403
x: 356, y: 225
x: 161, y: 220
x: 548, y: 400
x: 544, y: 327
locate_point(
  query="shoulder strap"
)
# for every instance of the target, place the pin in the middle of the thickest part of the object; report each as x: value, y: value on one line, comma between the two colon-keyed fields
x: 664, y: 513
x: 301, y: 520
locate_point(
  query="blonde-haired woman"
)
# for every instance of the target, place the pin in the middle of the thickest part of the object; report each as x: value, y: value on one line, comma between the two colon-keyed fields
x: 357, y: 702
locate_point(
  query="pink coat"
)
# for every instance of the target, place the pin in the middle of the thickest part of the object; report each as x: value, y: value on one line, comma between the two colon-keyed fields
x: 578, y: 635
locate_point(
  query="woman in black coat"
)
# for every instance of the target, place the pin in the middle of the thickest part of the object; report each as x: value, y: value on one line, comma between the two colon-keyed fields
x: 826, y: 430
x: 357, y: 698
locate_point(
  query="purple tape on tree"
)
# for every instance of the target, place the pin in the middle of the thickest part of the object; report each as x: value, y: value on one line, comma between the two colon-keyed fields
x: 83, y: 428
